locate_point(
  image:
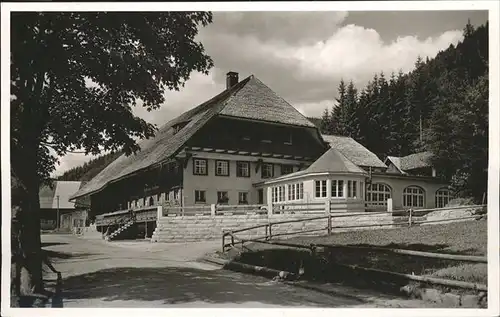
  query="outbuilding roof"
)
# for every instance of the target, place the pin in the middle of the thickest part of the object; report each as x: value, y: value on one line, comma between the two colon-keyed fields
x: 58, y: 195
x: 412, y: 161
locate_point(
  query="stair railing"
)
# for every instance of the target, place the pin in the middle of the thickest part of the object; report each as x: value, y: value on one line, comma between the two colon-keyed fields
x: 131, y: 217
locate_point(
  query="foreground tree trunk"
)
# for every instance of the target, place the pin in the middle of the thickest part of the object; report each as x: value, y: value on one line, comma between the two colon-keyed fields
x: 28, y: 252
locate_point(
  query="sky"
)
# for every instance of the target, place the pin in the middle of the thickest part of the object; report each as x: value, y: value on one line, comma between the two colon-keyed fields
x: 303, y: 56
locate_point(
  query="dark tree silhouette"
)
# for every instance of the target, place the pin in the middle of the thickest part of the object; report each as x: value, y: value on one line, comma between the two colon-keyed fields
x: 74, y: 80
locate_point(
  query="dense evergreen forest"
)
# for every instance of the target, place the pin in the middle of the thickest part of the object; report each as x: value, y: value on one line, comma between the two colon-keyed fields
x: 440, y: 106
x: 90, y: 169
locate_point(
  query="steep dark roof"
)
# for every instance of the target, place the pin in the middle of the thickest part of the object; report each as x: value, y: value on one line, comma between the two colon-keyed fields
x: 258, y: 102
x: 354, y: 151
x: 249, y: 98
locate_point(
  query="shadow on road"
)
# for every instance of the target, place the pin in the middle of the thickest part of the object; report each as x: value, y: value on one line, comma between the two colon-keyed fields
x: 50, y: 244
x: 182, y: 285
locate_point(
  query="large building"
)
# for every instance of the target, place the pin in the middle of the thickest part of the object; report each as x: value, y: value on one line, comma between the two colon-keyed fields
x: 237, y: 147
x: 213, y: 153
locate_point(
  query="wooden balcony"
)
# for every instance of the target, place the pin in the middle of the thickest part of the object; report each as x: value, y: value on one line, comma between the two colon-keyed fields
x: 120, y: 217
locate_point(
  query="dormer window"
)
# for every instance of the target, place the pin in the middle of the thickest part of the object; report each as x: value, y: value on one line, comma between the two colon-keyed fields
x: 178, y: 126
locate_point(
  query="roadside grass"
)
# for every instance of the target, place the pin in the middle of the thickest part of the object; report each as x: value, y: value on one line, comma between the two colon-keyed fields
x: 473, y: 273
x: 466, y: 238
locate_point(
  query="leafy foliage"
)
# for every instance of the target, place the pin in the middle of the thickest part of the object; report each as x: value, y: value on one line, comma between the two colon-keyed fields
x: 441, y: 106
x: 75, y: 77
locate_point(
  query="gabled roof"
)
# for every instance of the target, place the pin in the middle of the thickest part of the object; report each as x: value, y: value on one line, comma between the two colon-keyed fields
x: 332, y: 161
x: 249, y: 99
x: 58, y: 195
x: 354, y: 151
x: 412, y: 161
x: 258, y: 102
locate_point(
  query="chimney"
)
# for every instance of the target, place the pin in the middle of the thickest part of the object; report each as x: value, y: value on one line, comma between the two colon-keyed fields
x: 231, y: 79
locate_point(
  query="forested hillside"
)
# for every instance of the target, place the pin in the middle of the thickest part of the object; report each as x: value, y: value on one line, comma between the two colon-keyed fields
x: 441, y: 106
x: 90, y: 169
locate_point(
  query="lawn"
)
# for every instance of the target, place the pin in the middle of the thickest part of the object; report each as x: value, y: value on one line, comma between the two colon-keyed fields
x: 468, y: 238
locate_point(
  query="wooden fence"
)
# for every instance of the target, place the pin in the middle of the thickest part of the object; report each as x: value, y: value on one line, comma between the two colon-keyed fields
x: 234, y: 240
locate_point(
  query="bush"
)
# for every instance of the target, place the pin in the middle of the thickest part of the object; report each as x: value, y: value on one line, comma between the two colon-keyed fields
x: 461, y: 202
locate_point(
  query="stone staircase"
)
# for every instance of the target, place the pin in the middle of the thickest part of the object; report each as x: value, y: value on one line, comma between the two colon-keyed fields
x: 120, y: 230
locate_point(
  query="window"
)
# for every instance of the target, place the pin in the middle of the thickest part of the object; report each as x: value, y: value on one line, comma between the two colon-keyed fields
x: 442, y: 197
x: 177, y: 194
x: 151, y: 201
x: 222, y: 197
x: 242, y: 198
x: 179, y: 126
x: 413, y: 196
x: 243, y: 169
x: 337, y: 188
x: 377, y: 194
x: 200, y: 167
x: 278, y: 194
x: 286, y: 169
x: 267, y: 170
x: 221, y: 168
x: 200, y: 196
x: 295, y: 191
x: 320, y: 189
x: 351, y: 189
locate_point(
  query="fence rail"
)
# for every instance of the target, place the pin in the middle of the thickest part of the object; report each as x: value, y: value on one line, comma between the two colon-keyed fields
x: 313, y: 248
x: 330, y: 227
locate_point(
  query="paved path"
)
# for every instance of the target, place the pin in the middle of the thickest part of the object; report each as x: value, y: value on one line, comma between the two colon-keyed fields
x: 143, y: 274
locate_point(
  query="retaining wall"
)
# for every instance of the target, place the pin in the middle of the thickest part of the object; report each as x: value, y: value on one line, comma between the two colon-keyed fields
x: 196, y: 228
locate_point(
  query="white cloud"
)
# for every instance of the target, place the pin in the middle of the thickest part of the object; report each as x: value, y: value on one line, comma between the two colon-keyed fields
x: 356, y: 52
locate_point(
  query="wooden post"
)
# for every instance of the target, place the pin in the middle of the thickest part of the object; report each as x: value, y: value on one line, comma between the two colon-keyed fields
x: 223, y: 241
x: 159, y: 212
x: 213, y: 210
x: 409, y: 218
x: 146, y: 231
x: 267, y: 226
x: 269, y: 202
x: 232, y: 240
x: 329, y: 223
x: 270, y: 233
